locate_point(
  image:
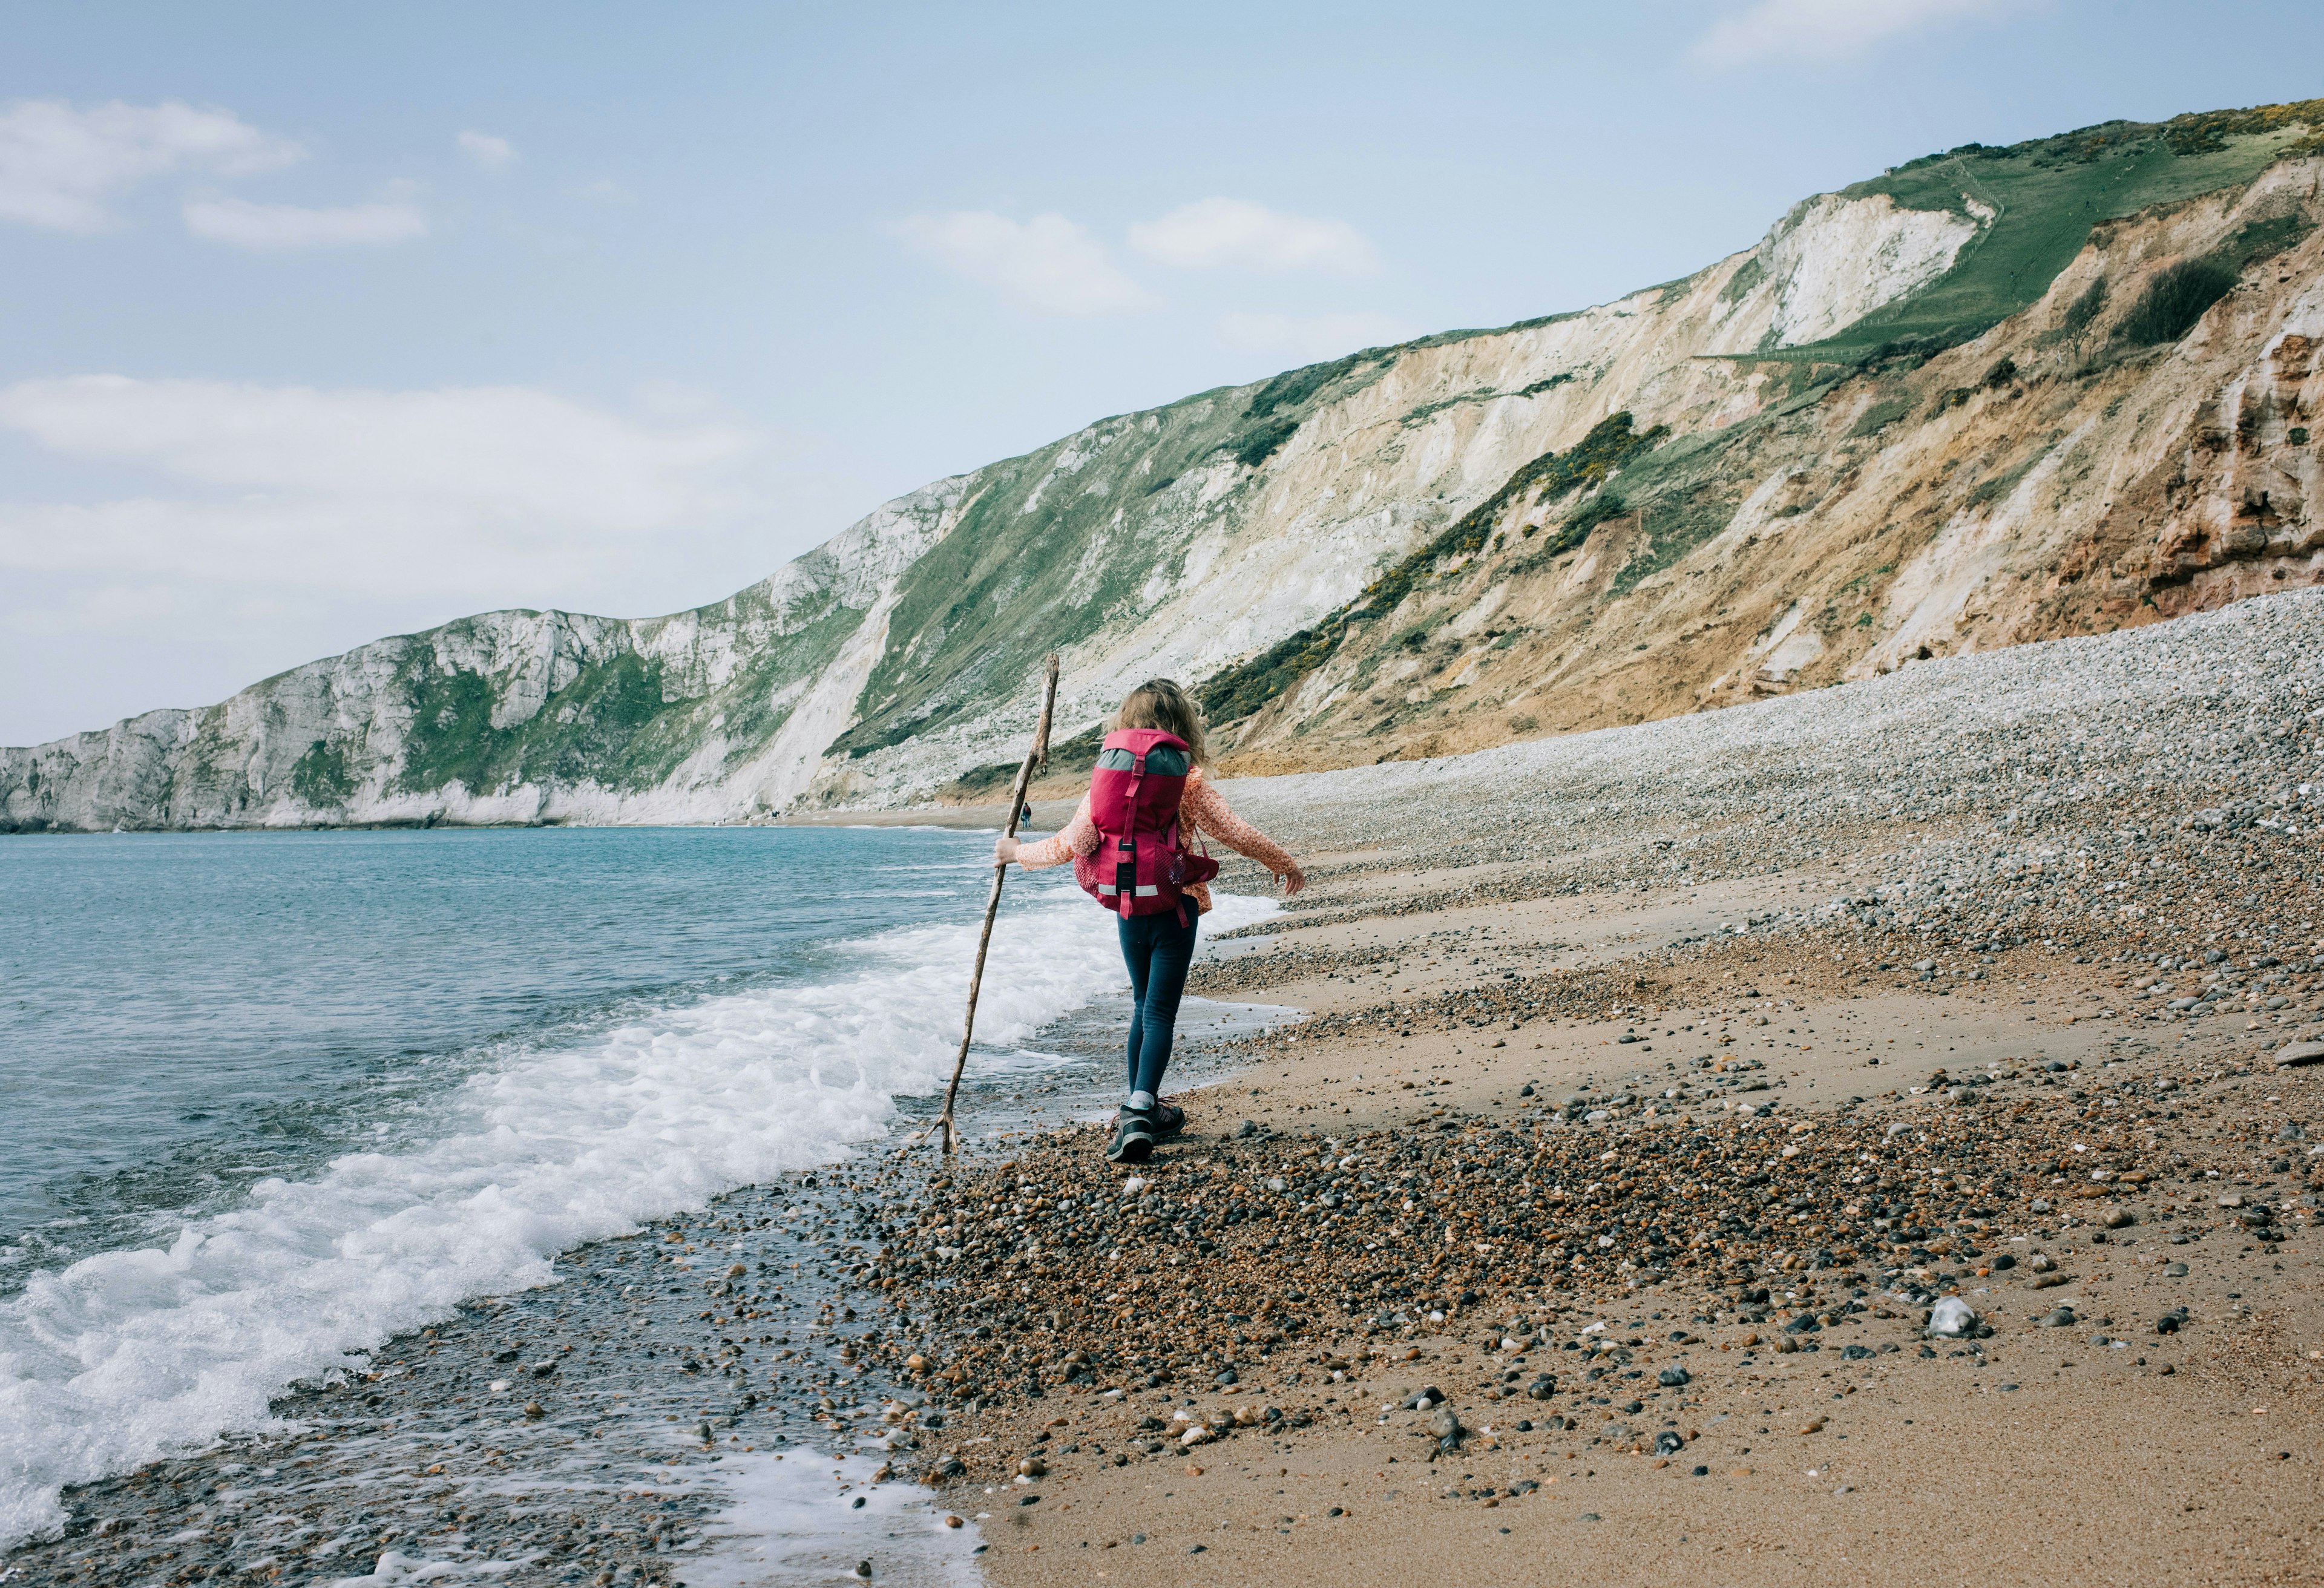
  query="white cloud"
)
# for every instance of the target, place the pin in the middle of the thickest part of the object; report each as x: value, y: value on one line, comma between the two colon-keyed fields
x: 1211, y: 233
x: 462, y: 491
x: 1307, y: 337
x: 1823, y: 30
x: 490, y: 153
x: 1049, y: 264
x: 59, y: 166
x: 274, y: 228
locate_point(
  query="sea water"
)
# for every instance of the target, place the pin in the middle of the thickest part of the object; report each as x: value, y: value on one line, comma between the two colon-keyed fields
x: 274, y: 1098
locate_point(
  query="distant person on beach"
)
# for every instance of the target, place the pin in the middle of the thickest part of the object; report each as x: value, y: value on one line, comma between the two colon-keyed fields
x: 1153, y: 756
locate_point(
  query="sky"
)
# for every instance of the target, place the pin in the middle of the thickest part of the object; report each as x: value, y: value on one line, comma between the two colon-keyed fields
x: 323, y: 323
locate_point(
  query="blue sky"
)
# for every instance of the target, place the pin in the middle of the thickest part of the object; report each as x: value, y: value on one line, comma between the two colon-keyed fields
x: 326, y: 322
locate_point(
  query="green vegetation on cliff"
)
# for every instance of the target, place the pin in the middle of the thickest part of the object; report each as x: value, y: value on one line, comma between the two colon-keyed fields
x: 947, y: 599
x: 2180, y: 294
x: 1239, y: 691
x: 322, y: 777
x: 1059, y: 544
x: 2045, y: 195
x: 610, y: 726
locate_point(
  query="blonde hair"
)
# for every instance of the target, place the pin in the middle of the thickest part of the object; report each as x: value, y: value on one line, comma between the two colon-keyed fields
x: 1158, y: 703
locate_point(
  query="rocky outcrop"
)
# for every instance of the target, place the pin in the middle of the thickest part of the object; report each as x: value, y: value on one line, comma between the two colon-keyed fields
x: 1994, y: 395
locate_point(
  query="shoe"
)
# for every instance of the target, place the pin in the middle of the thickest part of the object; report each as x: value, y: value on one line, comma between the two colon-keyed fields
x: 1132, y: 1140
x: 1165, y: 1119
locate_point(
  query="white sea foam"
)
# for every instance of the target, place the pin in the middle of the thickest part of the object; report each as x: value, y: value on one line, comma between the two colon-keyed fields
x: 129, y: 1355
x: 794, y: 1521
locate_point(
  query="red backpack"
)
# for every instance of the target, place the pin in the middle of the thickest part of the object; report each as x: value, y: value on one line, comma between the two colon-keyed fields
x: 1140, y: 867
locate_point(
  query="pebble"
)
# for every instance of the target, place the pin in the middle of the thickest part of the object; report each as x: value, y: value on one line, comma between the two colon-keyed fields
x: 1951, y: 1317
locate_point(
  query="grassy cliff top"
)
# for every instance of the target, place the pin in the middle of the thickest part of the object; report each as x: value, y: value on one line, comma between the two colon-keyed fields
x: 2047, y: 194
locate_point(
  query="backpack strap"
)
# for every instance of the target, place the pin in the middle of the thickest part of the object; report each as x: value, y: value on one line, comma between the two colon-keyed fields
x: 1125, y: 862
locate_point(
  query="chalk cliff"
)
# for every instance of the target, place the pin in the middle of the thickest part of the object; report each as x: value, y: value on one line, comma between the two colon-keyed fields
x: 1994, y: 395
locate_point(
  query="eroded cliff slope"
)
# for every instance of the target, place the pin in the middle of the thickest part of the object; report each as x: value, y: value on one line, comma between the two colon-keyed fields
x: 1994, y: 395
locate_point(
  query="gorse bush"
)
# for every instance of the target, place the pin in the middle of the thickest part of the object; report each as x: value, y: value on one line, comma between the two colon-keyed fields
x: 1292, y: 389
x: 2173, y: 301
x: 2084, y: 308
x: 2201, y: 131
x: 1607, y: 504
x: 1256, y: 446
x: 1236, y: 693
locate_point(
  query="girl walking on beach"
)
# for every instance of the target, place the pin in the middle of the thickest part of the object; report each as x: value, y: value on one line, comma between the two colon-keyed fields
x: 1127, y: 840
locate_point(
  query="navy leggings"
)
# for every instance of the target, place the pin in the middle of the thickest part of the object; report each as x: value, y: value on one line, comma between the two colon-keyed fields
x: 1157, y: 949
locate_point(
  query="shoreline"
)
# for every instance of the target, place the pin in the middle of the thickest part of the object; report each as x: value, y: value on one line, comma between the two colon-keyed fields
x: 964, y: 818
x: 1811, y: 1033
x: 626, y: 1417
x: 1328, y: 1369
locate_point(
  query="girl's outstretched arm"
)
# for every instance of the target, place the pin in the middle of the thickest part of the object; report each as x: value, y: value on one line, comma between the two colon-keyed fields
x: 1079, y: 837
x: 1203, y: 806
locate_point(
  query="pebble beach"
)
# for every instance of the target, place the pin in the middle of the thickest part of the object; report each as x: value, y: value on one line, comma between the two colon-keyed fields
x: 1787, y: 1140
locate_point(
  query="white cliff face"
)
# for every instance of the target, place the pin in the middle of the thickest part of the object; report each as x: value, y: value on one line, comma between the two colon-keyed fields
x: 1837, y: 260
x: 901, y: 654
x: 1243, y: 557
x: 511, y: 717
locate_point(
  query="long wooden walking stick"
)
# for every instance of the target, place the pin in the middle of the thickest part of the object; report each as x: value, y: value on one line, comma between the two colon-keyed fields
x: 1034, y: 759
